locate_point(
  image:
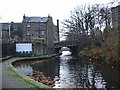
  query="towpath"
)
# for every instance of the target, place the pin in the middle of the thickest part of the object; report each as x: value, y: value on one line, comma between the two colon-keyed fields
x: 9, y: 79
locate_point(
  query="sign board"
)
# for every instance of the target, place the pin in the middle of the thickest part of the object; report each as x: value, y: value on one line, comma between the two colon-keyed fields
x: 24, y: 48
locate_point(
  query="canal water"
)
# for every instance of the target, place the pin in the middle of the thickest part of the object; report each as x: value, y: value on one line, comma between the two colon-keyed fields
x: 76, y: 72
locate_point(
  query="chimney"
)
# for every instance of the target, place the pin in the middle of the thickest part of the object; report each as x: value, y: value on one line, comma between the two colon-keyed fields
x: 58, y: 28
x: 9, y: 29
x: 24, y: 17
x: 57, y: 24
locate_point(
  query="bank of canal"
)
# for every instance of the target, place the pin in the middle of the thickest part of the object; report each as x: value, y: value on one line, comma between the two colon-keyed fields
x: 12, y: 78
x: 74, y: 72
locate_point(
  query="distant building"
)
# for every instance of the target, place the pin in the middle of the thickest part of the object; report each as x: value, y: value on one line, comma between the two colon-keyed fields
x: 42, y: 32
x: 11, y: 32
x: 17, y: 31
x: 5, y: 32
x: 116, y: 17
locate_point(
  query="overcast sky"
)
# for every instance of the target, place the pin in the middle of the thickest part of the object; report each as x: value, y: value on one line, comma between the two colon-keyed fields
x: 13, y: 10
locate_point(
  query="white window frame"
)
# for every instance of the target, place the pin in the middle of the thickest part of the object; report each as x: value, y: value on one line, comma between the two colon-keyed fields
x: 36, y: 33
x: 28, y: 25
x: 43, y: 32
x: 28, y: 32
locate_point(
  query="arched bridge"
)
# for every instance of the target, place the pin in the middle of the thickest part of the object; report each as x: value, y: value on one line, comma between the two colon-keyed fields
x: 65, y: 44
x: 73, y: 45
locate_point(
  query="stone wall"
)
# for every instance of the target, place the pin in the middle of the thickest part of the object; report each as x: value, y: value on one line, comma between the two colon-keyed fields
x: 116, y: 17
x: 50, y: 36
x: 38, y: 49
x: 8, y: 49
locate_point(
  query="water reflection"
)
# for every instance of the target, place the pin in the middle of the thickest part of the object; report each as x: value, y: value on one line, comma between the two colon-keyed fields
x: 49, y: 67
x: 65, y: 53
x: 26, y: 69
x: 76, y: 72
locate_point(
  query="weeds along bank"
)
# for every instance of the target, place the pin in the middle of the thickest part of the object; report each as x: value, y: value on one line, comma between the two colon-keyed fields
x: 107, y: 50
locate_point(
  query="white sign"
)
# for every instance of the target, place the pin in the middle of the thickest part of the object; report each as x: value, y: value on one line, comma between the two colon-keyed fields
x: 24, y: 48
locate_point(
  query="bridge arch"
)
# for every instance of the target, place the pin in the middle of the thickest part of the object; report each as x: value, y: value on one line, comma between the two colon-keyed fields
x: 69, y: 44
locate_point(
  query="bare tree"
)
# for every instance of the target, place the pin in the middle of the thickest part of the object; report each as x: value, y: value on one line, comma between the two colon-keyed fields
x: 86, y: 18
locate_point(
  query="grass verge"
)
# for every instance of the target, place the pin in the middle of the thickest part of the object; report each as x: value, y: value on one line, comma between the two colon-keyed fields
x: 12, y: 69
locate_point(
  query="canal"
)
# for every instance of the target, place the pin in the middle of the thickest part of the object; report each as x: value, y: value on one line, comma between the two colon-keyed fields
x: 75, y: 72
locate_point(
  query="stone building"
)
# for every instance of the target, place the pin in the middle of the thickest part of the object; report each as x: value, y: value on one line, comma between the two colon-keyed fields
x: 17, y: 31
x: 11, y: 33
x: 116, y: 17
x: 5, y: 32
x: 41, y: 32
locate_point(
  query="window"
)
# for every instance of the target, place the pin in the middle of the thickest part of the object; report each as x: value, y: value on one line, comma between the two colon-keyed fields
x: 43, y: 32
x: 36, y: 25
x: 36, y: 33
x: 28, y: 32
x: 28, y: 25
x: 43, y: 41
x: 28, y: 38
x: 15, y: 27
x: 43, y: 25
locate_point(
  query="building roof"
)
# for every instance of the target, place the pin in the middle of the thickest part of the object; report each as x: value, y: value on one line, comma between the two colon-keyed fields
x: 117, y: 7
x: 5, y: 26
x: 35, y: 19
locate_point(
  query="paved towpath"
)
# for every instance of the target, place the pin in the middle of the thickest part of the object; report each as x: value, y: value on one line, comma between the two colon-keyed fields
x: 8, y: 79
